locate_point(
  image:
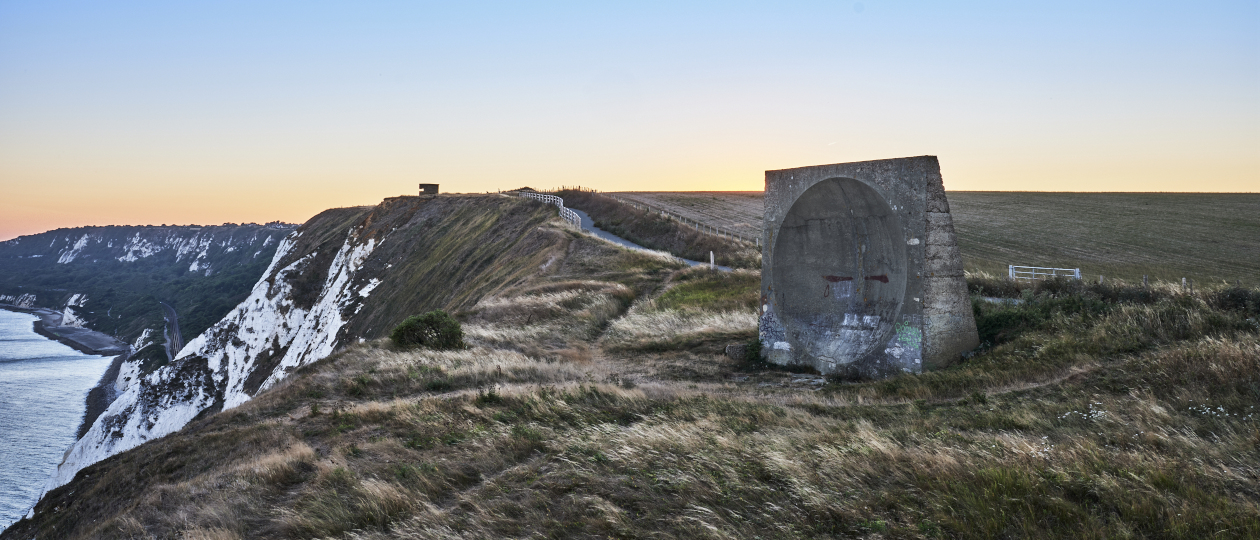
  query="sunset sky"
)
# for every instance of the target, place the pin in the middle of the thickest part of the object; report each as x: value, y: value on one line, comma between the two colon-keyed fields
x: 212, y: 112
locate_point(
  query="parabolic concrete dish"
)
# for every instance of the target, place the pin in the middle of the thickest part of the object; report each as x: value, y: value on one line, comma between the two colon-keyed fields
x: 860, y: 271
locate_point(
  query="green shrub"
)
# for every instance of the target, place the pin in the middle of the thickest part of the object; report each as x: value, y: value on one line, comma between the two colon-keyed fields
x: 488, y: 398
x: 438, y: 385
x: 1236, y: 298
x: 752, y: 350
x: 434, y: 330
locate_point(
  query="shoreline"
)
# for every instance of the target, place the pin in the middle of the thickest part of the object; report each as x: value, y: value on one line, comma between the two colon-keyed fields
x: 101, y: 396
x: 85, y: 341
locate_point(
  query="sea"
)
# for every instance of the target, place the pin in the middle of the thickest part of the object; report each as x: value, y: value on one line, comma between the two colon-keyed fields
x: 43, y: 385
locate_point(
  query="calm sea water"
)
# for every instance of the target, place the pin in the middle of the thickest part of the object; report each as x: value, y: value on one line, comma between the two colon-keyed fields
x: 42, y: 387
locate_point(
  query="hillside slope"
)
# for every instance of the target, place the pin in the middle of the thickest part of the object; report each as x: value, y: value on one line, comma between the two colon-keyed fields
x: 344, y: 275
x: 594, y: 402
x: 111, y: 279
x: 653, y: 231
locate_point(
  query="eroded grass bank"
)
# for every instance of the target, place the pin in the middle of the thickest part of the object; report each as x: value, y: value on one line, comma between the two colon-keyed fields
x: 1091, y: 412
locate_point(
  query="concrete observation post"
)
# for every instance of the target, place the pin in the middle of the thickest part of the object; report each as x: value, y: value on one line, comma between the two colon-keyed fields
x: 860, y: 273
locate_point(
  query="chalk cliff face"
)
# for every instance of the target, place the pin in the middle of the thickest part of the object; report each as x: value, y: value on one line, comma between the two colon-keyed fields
x: 198, y: 248
x: 347, y: 274
x: 20, y: 300
x: 70, y: 313
x: 110, y: 279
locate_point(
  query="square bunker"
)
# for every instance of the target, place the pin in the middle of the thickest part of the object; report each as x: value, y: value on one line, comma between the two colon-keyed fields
x: 860, y: 275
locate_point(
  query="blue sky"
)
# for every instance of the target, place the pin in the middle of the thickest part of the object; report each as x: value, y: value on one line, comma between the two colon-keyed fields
x: 251, y: 111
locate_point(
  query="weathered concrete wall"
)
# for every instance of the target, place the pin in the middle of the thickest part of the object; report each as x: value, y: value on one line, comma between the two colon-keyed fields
x: 861, y: 274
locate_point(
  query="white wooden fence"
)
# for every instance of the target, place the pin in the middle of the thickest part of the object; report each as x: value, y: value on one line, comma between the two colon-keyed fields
x: 1030, y: 273
x: 565, y: 213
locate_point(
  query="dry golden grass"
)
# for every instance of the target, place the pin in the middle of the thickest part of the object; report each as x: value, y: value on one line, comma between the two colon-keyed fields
x: 696, y: 305
x: 647, y: 327
x: 591, y: 404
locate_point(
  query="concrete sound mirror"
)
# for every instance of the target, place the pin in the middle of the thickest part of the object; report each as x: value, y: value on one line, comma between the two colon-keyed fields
x: 860, y: 274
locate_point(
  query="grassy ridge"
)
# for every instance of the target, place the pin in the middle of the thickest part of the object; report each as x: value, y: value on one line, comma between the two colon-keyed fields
x: 429, y: 253
x: 592, y: 404
x: 655, y: 232
x: 448, y: 252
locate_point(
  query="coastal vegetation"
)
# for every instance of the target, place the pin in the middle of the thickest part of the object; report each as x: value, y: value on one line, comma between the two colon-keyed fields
x: 433, y: 330
x: 124, y: 290
x: 593, y: 401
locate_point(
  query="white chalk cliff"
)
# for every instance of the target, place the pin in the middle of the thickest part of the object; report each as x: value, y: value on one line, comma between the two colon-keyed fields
x: 256, y: 345
x: 346, y: 274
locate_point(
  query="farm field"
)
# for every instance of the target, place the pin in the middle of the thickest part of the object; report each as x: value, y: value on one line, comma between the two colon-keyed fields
x: 1207, y: 237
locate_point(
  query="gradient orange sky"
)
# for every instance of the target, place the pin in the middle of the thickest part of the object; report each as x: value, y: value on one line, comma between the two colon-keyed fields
x: 150, y: 113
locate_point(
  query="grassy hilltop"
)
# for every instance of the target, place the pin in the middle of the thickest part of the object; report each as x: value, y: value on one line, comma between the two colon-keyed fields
x: 594, y: 402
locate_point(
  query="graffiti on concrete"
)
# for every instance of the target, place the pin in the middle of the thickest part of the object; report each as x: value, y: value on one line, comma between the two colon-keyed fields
x: 905, y: 349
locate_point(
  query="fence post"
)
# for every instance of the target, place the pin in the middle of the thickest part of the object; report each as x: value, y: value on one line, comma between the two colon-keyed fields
x: 1010, y: 271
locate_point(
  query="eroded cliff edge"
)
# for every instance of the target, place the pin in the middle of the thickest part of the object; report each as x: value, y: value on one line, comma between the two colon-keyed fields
x: 347, y: 274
